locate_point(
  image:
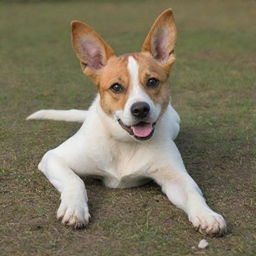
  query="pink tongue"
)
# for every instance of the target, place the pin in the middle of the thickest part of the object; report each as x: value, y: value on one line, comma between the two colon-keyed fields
x: 142, y: 130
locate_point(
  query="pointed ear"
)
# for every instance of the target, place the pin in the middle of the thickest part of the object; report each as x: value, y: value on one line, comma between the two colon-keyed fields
x: 161, y: 39
x: 92, y: 51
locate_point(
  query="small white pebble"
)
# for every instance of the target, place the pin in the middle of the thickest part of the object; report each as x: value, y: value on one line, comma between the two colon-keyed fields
x: 203, y: 244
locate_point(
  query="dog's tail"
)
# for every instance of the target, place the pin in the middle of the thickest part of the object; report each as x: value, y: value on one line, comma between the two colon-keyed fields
x: 72, y: 115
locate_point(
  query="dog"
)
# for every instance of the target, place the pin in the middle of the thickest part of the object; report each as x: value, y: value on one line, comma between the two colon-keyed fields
x: 127, y: 135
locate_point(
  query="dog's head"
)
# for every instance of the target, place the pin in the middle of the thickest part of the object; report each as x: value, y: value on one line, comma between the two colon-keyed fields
x: 133, y: 87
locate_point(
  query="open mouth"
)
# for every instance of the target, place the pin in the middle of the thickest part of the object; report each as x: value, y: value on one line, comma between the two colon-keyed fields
x: 141, y: 130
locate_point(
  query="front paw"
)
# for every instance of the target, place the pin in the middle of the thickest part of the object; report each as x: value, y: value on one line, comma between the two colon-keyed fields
x: 73, y: 212
x: 209, y: 222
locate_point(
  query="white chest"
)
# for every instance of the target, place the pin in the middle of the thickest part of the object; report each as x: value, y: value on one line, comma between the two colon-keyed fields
x: 124, y: 165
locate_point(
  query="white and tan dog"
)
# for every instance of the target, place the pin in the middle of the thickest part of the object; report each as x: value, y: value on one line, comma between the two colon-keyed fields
x: 127, y: 137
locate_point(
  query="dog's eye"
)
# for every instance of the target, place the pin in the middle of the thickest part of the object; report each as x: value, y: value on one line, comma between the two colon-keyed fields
x: 116, y: 88
x: 152, y: 83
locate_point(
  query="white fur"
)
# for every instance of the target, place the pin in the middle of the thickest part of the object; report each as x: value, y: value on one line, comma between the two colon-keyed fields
x: 104, y: 149
x: 97, y: 150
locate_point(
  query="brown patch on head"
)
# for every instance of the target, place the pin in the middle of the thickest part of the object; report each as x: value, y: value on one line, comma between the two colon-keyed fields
x: 114, y: 72
x: 150, y: 68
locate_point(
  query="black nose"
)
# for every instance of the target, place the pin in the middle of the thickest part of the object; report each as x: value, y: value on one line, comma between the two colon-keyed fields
x: 140, y: 109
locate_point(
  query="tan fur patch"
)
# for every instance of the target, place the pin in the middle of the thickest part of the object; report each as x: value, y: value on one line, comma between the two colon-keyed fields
x: 114, y: 72
x: 150, y: 68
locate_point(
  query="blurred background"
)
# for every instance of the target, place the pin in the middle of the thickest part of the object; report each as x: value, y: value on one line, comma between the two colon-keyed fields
x: 212, y: 87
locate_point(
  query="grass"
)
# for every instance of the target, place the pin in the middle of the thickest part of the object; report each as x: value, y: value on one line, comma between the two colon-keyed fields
x: 213, y: 89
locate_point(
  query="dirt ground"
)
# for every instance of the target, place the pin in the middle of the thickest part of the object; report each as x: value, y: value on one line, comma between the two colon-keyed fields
x: 213, y: 88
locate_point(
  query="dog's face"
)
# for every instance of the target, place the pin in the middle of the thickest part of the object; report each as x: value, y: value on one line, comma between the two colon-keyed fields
x: 133, y: 87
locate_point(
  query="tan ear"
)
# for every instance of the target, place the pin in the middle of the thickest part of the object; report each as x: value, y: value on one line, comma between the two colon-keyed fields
x: 92, y: 51
x: 161, y: 38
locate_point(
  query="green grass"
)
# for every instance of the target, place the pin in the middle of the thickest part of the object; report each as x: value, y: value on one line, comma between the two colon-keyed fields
x: 213, y: 88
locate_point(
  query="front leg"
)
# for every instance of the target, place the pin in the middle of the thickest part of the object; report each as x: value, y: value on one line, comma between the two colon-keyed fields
x: 73, y: 209
x: 182, y: 191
